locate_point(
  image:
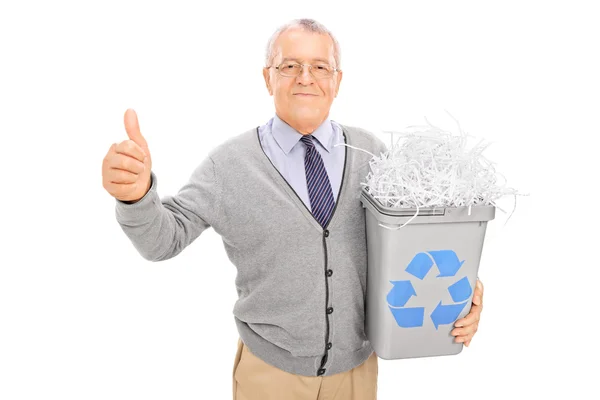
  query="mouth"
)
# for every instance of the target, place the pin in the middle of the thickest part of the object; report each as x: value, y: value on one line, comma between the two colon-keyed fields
x: 304, y: 94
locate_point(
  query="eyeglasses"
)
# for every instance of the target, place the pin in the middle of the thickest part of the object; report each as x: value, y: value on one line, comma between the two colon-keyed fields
x: 291, y: 69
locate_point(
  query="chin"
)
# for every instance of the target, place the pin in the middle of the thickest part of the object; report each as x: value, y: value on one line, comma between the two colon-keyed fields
x: 307, y: 113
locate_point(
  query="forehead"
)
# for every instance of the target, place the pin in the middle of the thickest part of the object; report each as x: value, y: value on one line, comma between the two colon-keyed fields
x: 299, y: 45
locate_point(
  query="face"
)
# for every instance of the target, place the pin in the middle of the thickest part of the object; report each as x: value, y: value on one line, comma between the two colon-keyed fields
x: 303, y: 101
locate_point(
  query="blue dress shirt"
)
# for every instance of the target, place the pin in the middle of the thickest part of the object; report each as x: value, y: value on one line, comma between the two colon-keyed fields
x: 281, y: 143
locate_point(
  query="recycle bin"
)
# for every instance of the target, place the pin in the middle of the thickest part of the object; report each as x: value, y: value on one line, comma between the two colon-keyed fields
x: 421, y: 277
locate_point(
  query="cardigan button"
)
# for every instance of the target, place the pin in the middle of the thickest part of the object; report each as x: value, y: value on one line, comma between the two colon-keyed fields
x: 329, y: 272
x: 326, y: 233
x: 321, y: 371
x: 329, y: 345
x: 329, y: 310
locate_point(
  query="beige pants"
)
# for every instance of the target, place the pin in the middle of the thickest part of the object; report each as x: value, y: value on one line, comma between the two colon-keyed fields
x: 254, y: 379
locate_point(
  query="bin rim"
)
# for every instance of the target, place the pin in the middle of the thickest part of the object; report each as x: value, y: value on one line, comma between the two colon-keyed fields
x: 409, y: 212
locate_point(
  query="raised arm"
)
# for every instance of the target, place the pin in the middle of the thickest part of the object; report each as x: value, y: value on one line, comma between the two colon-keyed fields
x: 158, y: 228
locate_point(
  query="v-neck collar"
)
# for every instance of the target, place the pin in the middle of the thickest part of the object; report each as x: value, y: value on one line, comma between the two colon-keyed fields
x: 287, y: 137
x: 292, y: 193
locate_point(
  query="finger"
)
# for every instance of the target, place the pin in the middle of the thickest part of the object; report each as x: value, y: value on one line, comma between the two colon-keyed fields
x: 120, y: 189
x: 465, y: 330
x: 126, y: 163
x: 468, y: 342
x: 459, y: 331
x: 132, y: 149
x: 479, y: 289
x: 466, y: 337
x: 478, y: 295
x: 469, y: 336
x: 121, y: 176
x: 132, y: 127
x: 111, y: 152
x: 480, y: 285
x: 108, y: 156
x: 470, y: 318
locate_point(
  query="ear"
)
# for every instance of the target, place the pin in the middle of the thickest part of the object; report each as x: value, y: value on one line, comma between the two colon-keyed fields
x: 339, y: 80
x: 267, y: 77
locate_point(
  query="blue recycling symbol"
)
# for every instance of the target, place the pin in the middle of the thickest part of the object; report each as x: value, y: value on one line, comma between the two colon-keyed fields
x: 448, y: 265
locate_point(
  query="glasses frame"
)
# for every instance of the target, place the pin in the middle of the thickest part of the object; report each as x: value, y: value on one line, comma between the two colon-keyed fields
x: 310, y: 66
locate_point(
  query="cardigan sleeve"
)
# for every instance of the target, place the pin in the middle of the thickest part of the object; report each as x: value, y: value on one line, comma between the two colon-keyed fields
x: 162, y: 228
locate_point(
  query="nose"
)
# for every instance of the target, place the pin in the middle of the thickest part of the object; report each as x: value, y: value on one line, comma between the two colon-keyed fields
x: 305, y: 76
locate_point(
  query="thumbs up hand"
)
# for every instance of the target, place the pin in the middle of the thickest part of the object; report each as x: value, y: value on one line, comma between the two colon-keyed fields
x: 127, y: 165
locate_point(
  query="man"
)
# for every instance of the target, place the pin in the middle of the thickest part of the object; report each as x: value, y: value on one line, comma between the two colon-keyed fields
x: 285, y: 200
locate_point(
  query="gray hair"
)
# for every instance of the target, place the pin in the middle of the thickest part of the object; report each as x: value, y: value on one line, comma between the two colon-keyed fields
x: 309, y: 25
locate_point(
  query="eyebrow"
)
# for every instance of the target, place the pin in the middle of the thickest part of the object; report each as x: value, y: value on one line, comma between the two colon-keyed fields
x: 296, y: 59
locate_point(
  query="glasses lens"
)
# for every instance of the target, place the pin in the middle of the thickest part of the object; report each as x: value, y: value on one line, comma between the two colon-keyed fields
x: 321, y: 70
x: 290, y: 69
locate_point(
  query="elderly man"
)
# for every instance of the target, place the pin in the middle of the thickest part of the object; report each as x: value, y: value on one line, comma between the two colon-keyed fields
x: 285, y: 201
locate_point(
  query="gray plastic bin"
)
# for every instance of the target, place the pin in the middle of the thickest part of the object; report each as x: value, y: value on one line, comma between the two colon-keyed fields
x: 420, y: 278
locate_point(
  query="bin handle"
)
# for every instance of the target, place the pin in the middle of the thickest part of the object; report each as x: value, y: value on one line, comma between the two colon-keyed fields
x: 405, y: 213
x: 421, y: 213
x: 399, y: 227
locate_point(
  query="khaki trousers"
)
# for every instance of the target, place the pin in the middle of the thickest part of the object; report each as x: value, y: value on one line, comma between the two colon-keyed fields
x: 254, y: 379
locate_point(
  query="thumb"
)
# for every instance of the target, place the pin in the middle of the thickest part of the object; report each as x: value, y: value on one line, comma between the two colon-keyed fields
x: 132, y: 127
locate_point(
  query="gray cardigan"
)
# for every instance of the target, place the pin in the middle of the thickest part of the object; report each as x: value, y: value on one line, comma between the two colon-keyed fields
x: 301, y: 288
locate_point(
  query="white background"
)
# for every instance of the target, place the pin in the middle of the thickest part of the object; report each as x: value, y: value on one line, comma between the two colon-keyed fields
x: 84, y: 316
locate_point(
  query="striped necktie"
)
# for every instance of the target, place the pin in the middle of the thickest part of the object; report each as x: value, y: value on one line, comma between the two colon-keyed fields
x: 319, y: 188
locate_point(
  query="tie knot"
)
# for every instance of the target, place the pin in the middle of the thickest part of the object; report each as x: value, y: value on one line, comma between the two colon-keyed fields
x: 307, y: 141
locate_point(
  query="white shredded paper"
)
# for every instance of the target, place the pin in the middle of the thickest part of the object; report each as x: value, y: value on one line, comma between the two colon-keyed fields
x: 427, y: 167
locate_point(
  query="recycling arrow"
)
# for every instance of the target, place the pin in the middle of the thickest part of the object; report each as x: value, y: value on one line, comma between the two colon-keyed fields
x: 400, y: 293
x: 409, y: 317
x: 446, y: 260
x: 446, y: 314
x: 461, y: 290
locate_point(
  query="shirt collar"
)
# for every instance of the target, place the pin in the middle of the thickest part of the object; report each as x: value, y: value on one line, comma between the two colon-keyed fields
x: 287, y: 137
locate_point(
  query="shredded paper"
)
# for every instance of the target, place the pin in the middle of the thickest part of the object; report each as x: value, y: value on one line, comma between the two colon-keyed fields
x: 427, y: 167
